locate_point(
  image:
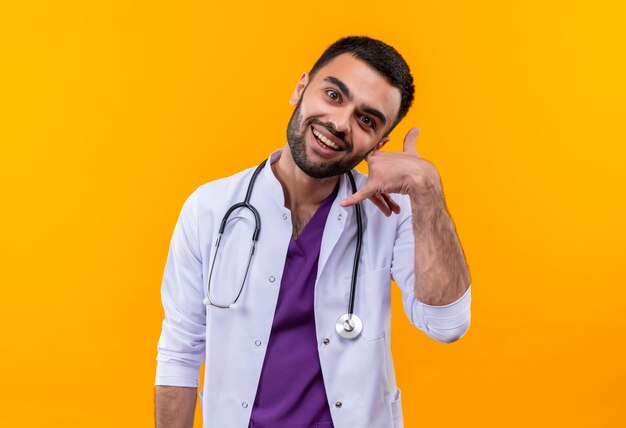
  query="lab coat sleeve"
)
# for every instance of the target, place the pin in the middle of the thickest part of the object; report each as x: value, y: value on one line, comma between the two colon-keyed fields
x: 446, y: 323
x: 181, y: 347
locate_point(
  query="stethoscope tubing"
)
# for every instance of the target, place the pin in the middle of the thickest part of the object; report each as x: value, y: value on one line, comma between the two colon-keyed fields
x: 348, y: 325
x: 357, y: 252
x: 255, y: 237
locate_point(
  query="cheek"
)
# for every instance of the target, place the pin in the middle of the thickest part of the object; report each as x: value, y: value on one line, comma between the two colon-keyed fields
x: 314, y: 108
x: 363, y: 142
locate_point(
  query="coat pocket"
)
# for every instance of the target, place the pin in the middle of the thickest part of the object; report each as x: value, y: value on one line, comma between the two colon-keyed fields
x: 396, y: 410
x: 373, y: 302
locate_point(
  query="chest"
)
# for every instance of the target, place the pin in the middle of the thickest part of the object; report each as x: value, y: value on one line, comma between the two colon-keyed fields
x: 300, y: 217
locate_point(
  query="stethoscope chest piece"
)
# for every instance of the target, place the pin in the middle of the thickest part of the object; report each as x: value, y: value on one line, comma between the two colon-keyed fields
x: 349, y: 326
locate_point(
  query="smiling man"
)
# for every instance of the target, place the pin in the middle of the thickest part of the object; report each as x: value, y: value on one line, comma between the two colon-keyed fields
x: 295, y: 330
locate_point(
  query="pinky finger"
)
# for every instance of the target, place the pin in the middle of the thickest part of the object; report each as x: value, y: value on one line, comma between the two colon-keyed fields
x: 391, y: 203
x: 380, y: 202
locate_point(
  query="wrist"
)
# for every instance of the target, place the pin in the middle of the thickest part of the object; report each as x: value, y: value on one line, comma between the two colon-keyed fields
x: 427, y: 200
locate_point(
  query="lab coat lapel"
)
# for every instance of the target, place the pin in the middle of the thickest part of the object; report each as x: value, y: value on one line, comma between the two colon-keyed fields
x: 336, y: 222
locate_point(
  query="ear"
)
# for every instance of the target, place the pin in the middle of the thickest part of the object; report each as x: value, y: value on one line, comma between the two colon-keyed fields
x: 380, y: 144
x: 297, y: 92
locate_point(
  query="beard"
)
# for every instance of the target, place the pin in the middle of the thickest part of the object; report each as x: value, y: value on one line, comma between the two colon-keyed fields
x: 296, y: 138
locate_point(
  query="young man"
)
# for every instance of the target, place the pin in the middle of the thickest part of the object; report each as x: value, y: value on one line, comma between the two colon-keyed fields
x: 283, y: 355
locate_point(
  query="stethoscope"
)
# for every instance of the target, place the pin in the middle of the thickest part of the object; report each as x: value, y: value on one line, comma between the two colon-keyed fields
x: 348, y: 325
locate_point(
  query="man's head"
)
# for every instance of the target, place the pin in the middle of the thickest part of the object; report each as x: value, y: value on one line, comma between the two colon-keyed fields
x: 379, y: 56
x: 355, y: 94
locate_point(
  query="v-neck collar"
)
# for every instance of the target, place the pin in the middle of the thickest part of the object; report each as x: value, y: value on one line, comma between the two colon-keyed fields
x: 316, y: 223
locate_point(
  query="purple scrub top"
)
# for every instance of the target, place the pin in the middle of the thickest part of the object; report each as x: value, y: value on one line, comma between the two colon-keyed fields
x: 291, y: 389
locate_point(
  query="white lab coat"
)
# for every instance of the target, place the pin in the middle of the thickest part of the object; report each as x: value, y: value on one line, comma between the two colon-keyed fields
x: 358, y: 374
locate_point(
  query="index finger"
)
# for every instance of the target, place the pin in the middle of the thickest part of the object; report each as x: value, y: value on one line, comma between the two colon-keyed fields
x: 359, y: 196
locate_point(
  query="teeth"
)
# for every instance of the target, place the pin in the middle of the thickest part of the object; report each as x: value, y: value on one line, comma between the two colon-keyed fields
x: 325, y: 140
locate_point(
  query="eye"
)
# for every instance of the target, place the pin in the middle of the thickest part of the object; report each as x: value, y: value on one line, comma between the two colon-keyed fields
x: 367, y: 121
x: 333, y: 95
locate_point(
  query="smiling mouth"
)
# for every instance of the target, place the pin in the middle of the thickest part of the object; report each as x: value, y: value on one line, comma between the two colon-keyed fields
x: 325, y: 141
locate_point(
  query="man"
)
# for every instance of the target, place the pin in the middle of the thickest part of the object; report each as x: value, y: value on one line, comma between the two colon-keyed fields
x: 280, y: 357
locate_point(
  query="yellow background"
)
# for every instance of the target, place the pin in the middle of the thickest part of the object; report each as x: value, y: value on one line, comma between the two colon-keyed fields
x: 112, y: 113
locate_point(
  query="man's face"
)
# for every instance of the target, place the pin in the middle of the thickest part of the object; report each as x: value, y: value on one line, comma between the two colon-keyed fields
x: 342, y: 113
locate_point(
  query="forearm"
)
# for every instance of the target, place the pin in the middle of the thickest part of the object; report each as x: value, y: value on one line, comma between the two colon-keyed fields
x: 174, y: 406
x: 441, y: 274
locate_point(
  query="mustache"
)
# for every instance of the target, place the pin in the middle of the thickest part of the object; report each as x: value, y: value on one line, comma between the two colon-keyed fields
x: 331, y: 128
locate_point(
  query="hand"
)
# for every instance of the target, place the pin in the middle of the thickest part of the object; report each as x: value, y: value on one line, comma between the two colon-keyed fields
x: 399, y: 172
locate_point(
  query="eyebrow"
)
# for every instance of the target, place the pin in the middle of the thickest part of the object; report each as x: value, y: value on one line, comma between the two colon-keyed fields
x: 346, y: 92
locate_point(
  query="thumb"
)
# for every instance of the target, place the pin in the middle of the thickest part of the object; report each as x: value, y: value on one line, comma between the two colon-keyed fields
x: 410, y: 141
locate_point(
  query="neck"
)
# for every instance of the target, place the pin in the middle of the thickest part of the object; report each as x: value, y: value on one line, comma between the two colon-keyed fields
x: 302, y: 192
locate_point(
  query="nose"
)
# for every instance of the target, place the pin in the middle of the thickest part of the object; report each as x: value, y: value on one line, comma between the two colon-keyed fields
x: 341, y: 120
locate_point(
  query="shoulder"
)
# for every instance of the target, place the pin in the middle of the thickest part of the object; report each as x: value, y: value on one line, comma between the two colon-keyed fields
x: 217, y: 192
x: 222, y: 185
